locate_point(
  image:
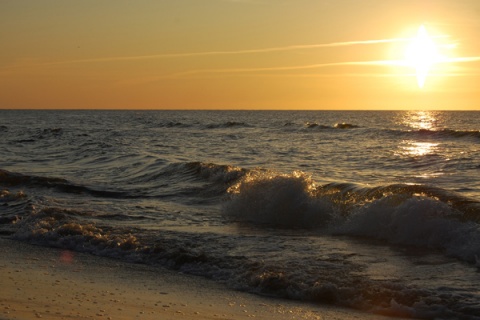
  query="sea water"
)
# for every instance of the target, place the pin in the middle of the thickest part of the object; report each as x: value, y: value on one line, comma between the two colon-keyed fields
x: 377, y: 211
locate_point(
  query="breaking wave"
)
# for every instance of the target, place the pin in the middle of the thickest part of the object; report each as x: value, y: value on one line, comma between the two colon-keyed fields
x: 401, y: 214
x: 405, y: 215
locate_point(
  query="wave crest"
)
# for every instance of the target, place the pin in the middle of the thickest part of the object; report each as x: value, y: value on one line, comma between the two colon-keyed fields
x: 418, y: 221
x: 284, y: 200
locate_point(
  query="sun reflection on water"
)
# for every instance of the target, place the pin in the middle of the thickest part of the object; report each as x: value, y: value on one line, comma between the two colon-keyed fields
x: 420, y: 120
x: 417, y: 149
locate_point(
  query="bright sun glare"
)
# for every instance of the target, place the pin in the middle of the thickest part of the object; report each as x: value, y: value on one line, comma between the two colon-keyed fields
x: 421, y: 54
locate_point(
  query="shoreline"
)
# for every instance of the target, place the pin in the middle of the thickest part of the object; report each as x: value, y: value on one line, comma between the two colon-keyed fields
x: 40, y: 282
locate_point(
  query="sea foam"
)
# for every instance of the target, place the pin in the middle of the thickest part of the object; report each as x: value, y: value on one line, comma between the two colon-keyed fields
x: 393, y: 213
x: 284, y: 200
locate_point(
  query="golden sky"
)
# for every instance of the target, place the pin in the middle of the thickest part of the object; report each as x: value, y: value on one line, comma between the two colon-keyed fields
x: 237, y: 54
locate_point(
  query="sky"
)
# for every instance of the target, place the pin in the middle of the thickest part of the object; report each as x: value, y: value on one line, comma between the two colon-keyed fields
x: 239, y: 54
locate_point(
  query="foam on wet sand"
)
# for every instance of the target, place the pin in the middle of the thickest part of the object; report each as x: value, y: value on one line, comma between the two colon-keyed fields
x: 38, y: 282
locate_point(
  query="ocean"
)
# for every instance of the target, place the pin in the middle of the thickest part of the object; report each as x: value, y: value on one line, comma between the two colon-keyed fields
x: 372, y: 210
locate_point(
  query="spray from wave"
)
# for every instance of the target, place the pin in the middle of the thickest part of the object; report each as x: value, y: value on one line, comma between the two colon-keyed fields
x: 410, y: 215
x: 263, y: 197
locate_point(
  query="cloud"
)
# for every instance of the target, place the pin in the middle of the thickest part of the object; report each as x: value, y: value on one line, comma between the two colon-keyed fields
x: 230, y: 52
x: 289, y: 68
x: 461, y: 59
x: 259, y: 51
x: 318, y: 66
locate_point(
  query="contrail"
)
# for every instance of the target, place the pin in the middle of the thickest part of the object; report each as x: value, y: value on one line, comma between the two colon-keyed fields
x: 232, y: 52
x: 311, y: 66
x: 320, y: 65
x: 461, y: 59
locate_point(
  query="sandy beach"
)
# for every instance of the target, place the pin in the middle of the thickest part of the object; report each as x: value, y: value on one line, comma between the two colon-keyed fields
x: 48, y: 283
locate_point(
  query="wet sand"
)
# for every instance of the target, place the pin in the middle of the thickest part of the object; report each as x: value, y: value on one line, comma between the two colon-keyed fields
x: 38, y: 282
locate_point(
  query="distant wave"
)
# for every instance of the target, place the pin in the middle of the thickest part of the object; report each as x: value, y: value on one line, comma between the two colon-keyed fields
x: 228, y: 124
x: 311, y: 125
x: 437, y: 133
x: 39, y: 134
x: 48, y: 132
x: 344, y: 125
x: 219, y: 125
x: 450, y: 133
x: 340, y: 125
x: 173, y: 124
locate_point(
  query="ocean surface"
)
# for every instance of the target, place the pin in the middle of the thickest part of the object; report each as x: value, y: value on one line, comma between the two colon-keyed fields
x: 377, y: 211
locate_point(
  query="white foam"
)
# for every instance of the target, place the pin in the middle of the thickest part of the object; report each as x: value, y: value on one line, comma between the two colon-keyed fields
x: 418, y: 221
x: 285, y: 200
x: 293, y: 201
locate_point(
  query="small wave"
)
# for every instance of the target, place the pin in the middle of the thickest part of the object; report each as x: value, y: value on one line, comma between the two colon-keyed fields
x: 216, y: 172
x: 228, y: 124
x: 174, y: 124
x: 188, y: 182
x: 8, y: 178
x: 186, y: 171
x: 58, y: 228
x: 3, y: 128
x: 344, y: 125
x: 13, y: 179
x: 446, y: 133
x: 39, y: 134
x: 439, y: 133
x: 11, y: 205
x: 7, y: 196
x: 451, y: 133
x: 48, y: 133
x: 315, y: 125
x: 123, y: 217
x: 21, y: 141
x: 53, y: 130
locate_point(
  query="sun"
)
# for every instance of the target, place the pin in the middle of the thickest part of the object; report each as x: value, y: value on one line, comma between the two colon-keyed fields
x: 421, y: 54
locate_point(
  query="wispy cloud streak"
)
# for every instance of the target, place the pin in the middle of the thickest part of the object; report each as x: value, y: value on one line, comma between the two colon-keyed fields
x: 400, y: 63
x: 289, y: 68
x: 461, y: 59
x: 232, y: 52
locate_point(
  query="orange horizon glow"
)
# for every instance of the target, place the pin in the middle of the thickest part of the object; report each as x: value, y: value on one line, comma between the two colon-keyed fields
x: 224, y: 54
